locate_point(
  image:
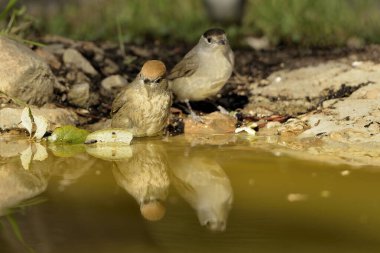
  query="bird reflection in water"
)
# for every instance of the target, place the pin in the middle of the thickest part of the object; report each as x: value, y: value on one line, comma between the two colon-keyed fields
x: 145, y: 177
x: 201, y: 181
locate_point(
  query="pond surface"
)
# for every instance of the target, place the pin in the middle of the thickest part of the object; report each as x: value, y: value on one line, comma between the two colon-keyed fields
x: 182, y: 195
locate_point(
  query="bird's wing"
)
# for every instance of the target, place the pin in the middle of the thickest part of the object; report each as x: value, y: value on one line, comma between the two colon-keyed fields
x: 120, y: 100
x: 186, y: 67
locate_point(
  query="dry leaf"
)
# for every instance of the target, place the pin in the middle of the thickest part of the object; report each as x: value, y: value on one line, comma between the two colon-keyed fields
x: 41, y: 153
x: 26, y: 120
x: 26, y: 157
x: 41, y: 127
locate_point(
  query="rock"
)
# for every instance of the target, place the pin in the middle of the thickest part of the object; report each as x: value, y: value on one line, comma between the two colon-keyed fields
x: 79, y: 95
x: 23, y: 74
x: 75, y: 76
x: 353, y: 119
x: 49, y: 57
x: 298, y: 91
x: 111, y: 85
x: 72, y: 57
x: 110, y: 67
x: 11, y: 117
x: 57, y: 49
x: 292, y: 128
x: 214, y: 123
x: 372, y: 91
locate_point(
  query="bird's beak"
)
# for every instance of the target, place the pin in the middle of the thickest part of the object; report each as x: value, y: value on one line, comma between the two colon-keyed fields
x: 222, y: 42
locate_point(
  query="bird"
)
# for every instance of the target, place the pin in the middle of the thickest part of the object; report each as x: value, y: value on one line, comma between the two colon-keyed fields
x: 202, y: 182
x: 145, y: 176
x: 143, y: 107
x: 204, y: 69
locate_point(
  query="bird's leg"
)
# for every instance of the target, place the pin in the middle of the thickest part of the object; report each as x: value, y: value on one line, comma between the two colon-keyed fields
x: 193, y: 115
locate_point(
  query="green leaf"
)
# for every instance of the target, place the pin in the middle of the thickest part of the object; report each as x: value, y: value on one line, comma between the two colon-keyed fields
x: 67, y: 150
x: 68, y: 135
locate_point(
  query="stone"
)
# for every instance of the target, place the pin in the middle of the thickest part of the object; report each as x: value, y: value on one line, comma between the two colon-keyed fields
x: 371, y: 91
x: 10, y: 118
x: 110, y: 67
x: 350, y: 120
x: 111, y: 85
x: 79, y: 95
x: 23, y: 74
x: 301, y: 90
x: 49, y: 57
x: 213, y: 123
x: 71, y: 57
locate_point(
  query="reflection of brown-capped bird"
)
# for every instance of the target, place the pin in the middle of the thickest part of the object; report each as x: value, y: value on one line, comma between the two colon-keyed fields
x: 145, y: 177
x: 204, y: 185
x: 143, y: 107
x: 204, y: 70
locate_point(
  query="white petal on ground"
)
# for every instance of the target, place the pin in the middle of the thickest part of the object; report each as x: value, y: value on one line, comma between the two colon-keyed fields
x: 26, y: 157
x: 249, y: 130
x: 26, y: 119
x: 41, y: 153
x: 41, y: 126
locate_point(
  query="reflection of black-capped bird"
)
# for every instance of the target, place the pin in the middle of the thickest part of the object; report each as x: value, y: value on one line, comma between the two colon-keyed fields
x: 143, y: 107
x: 203, y: 184
x: 204, y: 70
x: 145, y: 177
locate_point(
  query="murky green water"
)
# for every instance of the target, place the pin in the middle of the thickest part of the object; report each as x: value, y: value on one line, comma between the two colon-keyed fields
x: 197, y: 196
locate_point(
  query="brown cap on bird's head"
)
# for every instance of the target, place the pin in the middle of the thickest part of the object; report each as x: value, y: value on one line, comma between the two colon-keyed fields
x: 153, y: 211
x: 153, y: 69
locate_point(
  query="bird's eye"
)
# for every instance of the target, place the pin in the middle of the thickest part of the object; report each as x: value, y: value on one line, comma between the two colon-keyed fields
x: 158, y: 80
x: 146, y: 81
x: 209, y: 40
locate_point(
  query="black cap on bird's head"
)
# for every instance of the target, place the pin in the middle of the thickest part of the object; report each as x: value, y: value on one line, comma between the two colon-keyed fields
x: 213, y: 32
x: 215, y: 36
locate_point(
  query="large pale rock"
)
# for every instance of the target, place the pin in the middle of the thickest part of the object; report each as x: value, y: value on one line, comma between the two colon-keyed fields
x: 301, y: 90
x: 23, y: 74
x: 351, y: 120
x: 355, y: 119
x: 10, y: 118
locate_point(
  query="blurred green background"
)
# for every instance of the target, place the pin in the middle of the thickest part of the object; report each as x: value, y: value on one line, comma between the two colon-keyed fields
x: 300, y: 22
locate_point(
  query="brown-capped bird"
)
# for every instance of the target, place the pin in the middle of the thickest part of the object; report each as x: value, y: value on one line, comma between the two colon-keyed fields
x: 143, y: 107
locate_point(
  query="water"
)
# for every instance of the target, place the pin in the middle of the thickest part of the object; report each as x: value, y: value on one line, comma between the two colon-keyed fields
x: 197, y: 195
